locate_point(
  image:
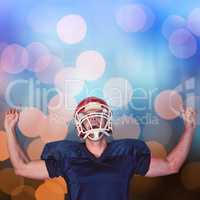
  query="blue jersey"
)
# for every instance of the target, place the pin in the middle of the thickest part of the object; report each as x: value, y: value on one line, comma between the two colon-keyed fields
x: 104, y: 178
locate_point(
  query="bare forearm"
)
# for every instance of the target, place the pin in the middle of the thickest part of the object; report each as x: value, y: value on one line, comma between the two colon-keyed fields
x: 176, y: 158
x: 22, y: 153
x: 179, y: 154
x: 17, y: 156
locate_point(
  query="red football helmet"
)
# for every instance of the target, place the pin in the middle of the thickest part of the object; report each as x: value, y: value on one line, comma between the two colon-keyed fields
x: 88, y: 109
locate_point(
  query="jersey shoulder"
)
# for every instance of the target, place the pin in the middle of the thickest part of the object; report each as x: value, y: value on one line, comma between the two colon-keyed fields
x: 60, y: 149
x: 121, y: 147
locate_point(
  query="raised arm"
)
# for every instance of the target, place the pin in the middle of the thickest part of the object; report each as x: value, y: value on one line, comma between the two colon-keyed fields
x: 176, y: 158
x: 20, y: 161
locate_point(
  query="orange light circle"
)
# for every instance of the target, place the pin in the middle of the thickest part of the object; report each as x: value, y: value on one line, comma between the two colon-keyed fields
x: 168, y: 104
x: 4, y: 153
x: 49, y: 190
x: 9, y: 181
x: 23, y: 192
x: 30, y: 120
x: 35, y: 148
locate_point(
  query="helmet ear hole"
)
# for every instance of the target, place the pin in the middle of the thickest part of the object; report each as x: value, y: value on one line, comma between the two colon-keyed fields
x: 80, y: 116
x: 105, y: 110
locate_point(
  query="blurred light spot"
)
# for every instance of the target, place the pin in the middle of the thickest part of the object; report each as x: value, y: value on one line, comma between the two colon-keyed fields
x: 23, y: 192
x: 35, y: 148
x: 190, y: 176
x: 150, y: 18
x: 4, y: 153
x: 53, y: 129
x: 47, y: 75
x: 178, y: 192
x: 171, y: 24
x: 168, y: 104
x: 50, y: 190
x: 30, y: 121
x: 134, y: 18
x: 182, y: 44
x: 68, y: 81
x: 39, y: 57
x: 33, y: 182
x: 14, y: 59
x: 3, y: 108
x: 61, y: 182
x: 157, y: 149
x: 61, y: 108
x: 160, y: 132
x: 71, y: 29
x: 118, y: 92
x: 193, y: 22
x: 9, y: 181
x: 3, y: 45
x: 142, y: 185
x: 5, y: 79
x: 90, y: 65
x: 126, y: 127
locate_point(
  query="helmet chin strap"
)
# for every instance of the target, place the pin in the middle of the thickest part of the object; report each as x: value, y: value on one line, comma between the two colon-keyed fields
x: 97, y: 133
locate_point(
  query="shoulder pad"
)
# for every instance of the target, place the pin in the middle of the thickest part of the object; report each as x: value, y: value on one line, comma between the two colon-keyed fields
x: 59, y: 149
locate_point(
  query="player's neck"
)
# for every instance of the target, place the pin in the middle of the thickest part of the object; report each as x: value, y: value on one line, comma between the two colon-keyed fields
x: 96, y: 147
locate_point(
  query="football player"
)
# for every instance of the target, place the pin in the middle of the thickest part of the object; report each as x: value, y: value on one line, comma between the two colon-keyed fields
x: 95, y: 168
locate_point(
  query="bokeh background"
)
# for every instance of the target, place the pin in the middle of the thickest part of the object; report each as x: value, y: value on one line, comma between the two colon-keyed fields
x: 141, y: 56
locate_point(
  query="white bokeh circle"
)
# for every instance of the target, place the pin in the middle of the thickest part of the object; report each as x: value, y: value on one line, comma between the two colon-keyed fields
x: 90, y: 65
x: 71, y: 29
x: 150, y: 18
x: 68, y: 81
x: 182, y: 44
x: 47, y: 75
x: 14, y: 59
x: 193, y: 22
x: 61, y: 107
x: 39, y: 56
x: 171, y: 24
x: 131, y: 17
x: 118, y: 92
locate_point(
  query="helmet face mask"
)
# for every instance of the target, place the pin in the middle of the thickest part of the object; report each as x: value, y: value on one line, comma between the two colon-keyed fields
x: 93, y: 119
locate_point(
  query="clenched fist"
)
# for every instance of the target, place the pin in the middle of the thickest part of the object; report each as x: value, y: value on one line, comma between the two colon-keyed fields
x: 189, y: 116
x: 11, y: 119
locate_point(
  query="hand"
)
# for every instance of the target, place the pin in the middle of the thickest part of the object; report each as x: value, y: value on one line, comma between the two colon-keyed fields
x: 189, y: 117
x: 11, y: 119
